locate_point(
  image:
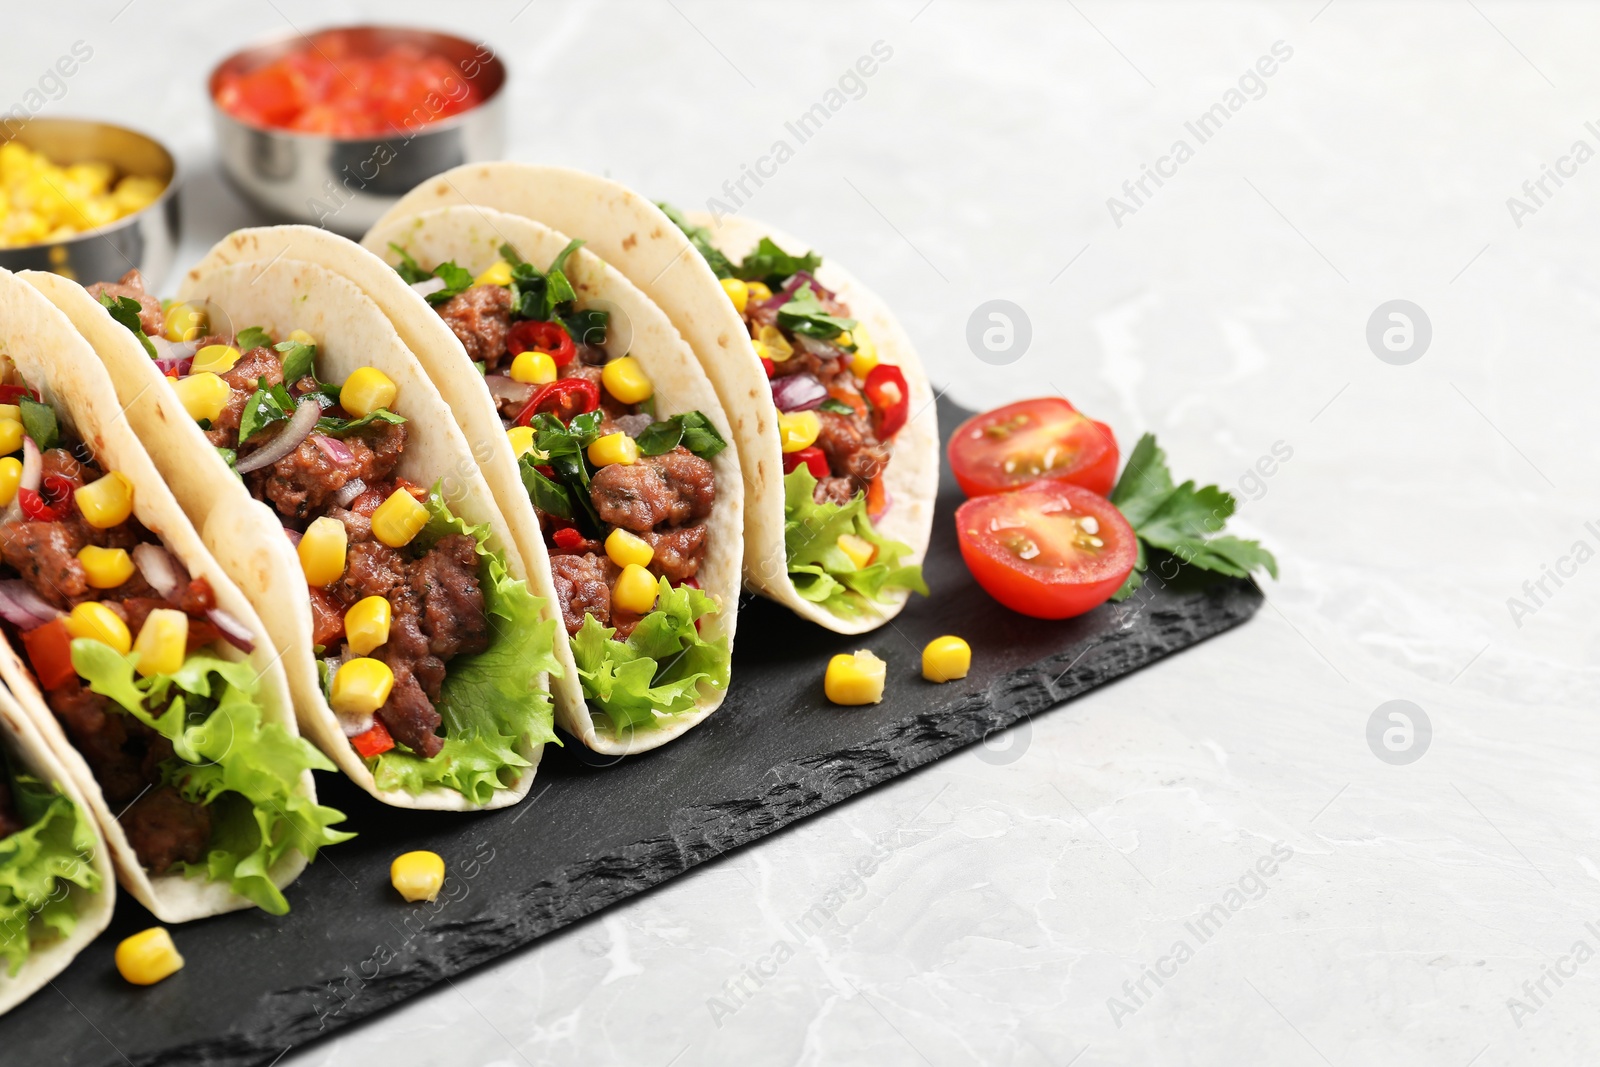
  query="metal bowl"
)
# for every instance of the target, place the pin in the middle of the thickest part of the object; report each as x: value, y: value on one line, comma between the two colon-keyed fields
x: 146, y: 239
x: 345, y: 184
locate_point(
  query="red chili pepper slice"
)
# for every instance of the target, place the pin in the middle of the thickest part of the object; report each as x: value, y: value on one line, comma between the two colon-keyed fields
x: 767, y: 365
x: 374, y: 741
x: 570, y: 397
x: 9, y: 393
x: 886, y: 388
x: 568, y: 539
x: 55, y: 504
x: 551, y: 338
x: 812, y: 457
x: 49, y: 649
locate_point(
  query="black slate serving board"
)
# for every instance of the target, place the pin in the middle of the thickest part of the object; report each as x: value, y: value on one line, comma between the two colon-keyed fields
x: 595, y: 831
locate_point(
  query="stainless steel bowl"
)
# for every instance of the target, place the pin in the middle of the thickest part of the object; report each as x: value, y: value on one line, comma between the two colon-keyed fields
x: 146, y: 239
x: 346, y: 184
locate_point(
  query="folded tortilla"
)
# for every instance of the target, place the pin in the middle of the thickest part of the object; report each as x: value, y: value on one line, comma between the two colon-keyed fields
x: 472, y: 238
x: 636, y: 237
x: 248, y: 540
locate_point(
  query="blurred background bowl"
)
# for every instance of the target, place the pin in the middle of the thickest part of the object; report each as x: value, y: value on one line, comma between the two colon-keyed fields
x: 345, y: 184
x: 145, y: 239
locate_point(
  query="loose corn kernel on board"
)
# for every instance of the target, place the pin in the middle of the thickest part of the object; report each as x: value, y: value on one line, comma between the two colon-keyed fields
x: 596, y: 831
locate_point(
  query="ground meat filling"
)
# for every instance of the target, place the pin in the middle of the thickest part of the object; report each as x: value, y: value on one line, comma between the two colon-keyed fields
x: 480, y: 318
x: 301, y: 483
x: 670, y: 489
x: 583, y: 587
x: 132, y: 284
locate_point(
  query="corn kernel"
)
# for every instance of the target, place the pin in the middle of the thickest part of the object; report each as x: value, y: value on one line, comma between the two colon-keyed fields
x: 184, y: 322
x: 635, y: 590
x: 761, y: 349
x: 399, y: 519
x: 798, y: 429
x: 162, y: 643
x: 946, y: 659
x: 106, y: 568
x: 499, y: 274
x: 96, y: 622
x: 148, y: 956
x: 758, y: 291
x: 614, y: 448
x: 778, y: 348
x: 10, y: 479
x: 366, y: 624
x: 302, y: 337
x: 738, y: 292
x: 855, y: 679
x: 217, y: 359
x: 859, y: 549
x: 417, y: 875
x: 360, y: 687
x: 533, y: 368
x: 521, y: 438
x: 624, y: 548
x: 202, y: 395
x: 106, y: 501
x: 865, y: 356
x: 10, y: 411
x: 11, y: 434
x: 321, y: 551
x: 625, y: 380
x: 365, y: 391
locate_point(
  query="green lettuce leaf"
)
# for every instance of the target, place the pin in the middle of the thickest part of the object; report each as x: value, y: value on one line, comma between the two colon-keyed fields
x: 661, y: 665
x: 700, y: 237
x: 226, y: 756
x: 125, y: 311
x: 38, y: 867
x: 489, y: 702
x: 804, y: 314
x: 773, y: 266
x: 818, y: 567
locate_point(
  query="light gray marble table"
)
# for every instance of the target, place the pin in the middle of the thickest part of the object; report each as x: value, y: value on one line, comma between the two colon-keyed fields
x: 1088, y: 888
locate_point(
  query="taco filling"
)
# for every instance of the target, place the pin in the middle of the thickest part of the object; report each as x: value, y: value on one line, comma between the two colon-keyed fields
x: 839, y: 409
x: 123, y: 643
x: 428, y: 650
x: 622, y: 496
x: 45, y: 844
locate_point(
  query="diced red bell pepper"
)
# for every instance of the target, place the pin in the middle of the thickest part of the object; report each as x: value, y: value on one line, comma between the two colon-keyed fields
x: 374, y: 741
x: 9, y: 393
x: 49, y: 649
x: 812, y: 457
x: 886, y: 388
x: 568, y: 539
x: 768, y: 366
x: 551, y: 338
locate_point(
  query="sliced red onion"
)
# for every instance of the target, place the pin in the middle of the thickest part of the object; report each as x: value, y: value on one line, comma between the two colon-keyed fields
x: 174, y: 357
x: 792, y: 286
x: 503, y: 388
x: 22, y: 607
x: 818, y: 348
x: 288, y: 439
x: 159, y: 568
x: 798, y: 392
x: 292, y: 535
x: 429, y: 286
x: 335, y: 449
x: 232, y: 630
x: 348, y: 492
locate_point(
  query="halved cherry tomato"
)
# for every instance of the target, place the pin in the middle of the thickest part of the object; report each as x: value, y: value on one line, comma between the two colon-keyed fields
x: 886, y: 388
x: 1051, y: 550
x: 812, y: 457
x: 570, y: 397
x: 551, y: 338
x: 49, y: 649
x: 1029, y: 440
x: 374, y: 741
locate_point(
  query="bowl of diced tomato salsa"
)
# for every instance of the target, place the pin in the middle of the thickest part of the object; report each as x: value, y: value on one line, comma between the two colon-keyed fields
x: 332, y: 127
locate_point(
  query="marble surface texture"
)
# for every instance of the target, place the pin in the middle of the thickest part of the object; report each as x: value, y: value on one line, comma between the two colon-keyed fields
x: 1209, y: 862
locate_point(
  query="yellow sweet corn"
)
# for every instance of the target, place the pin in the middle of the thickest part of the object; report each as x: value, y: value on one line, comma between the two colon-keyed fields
x: 946, y: 659
x: 865, y: 356
x: 758, y: 291
x: 624, y: 548
x: 303, y: 337
x: 855, y: 678
x: 321, y: 551
x: 184, y: 322
x: 365, y: 391
x: 417, y: 875
x: 96, y: 622
x: 217, y: 359
x: 738, y: 292
x: 635, y: 590
x: 10, y: 479
x: 625, y: 380
x: 10, y: 411
x: 106, y: 501
x: 11, y: 434
x: 798, y: 429
x: 163, y: 642
x: 533, y: 368
x: 614, y: 448
x: 859, y: 549
x: 106, y: 568
x: 360, y: 687
x: 148, y: 956
x: 366, y: 624
x: 521, y: 438
x: 774, y: 345
x: 399, y: 519
x: 499, y: 274
x: 202, y: 395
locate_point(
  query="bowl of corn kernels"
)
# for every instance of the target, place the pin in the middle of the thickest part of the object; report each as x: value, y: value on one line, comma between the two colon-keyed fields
x: 87, y: 200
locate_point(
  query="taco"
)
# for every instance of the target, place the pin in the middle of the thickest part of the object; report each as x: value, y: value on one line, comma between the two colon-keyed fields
x: 140, y: 662
x: 839, y: 491
x: 57, y: 888
x: 332, y: 482
x: 599, y: 435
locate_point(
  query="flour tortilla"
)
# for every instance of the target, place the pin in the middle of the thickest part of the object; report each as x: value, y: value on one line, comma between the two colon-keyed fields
x: 29, y: 753
x: 472, y: 239
x: 55, y: 359
x: 636, y: 237
x: 245, y: 535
